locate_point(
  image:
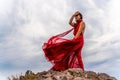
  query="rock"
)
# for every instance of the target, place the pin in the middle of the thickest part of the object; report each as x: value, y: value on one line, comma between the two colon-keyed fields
x: 48, y: 78
x: 91, y: 75
x: 29, y: 72
x: 75, y: 72
x: 105, y: 76
x: 70, y: 74
x: 79, y: 78
x: 22, y: 78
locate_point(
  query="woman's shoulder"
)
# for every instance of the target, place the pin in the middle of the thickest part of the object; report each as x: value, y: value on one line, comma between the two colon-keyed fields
x: 82, y: 23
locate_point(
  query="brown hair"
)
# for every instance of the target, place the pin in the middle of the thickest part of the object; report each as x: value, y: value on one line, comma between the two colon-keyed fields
x: 80, y: 15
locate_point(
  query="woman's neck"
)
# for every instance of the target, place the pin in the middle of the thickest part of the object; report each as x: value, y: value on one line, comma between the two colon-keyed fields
x: 78, y: 21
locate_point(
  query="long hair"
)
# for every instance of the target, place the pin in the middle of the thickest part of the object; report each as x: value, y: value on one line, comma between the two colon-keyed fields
x: 80, y: 15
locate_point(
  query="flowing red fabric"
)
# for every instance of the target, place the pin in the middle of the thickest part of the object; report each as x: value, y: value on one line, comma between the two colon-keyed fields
x: 64, y: 53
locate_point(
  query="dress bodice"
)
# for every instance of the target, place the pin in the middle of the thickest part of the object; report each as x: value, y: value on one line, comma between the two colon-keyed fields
x: 76, y: 27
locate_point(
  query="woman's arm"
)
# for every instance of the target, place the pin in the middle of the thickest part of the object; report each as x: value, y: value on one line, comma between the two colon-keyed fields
x: 80, y: 30
x: 71, y: 20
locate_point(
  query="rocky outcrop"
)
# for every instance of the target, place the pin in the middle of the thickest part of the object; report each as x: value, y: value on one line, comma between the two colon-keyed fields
x: 70, y: 74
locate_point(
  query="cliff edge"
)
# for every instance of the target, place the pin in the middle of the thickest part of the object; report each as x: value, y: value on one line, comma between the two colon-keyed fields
x: 70, y: 74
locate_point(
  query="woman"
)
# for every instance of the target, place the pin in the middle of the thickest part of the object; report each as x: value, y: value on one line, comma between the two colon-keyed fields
x: 66, y: 53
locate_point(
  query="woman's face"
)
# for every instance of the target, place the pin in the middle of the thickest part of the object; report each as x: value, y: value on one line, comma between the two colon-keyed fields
x: 77, y: 17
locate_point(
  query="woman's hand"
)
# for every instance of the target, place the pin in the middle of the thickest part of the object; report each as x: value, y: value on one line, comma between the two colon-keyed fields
x: 72, y: 17
x: 77, y: 12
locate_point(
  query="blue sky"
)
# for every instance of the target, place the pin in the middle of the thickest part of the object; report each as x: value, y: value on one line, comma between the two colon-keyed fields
x: 25, y: 25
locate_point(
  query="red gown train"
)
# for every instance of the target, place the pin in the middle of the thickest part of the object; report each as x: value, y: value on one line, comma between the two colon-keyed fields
x: 65, y: 53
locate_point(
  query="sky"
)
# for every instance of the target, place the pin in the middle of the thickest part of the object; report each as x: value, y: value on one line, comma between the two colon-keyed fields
x: 26, y: 24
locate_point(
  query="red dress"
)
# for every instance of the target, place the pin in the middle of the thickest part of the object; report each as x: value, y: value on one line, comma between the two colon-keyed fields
x: 65, y: 53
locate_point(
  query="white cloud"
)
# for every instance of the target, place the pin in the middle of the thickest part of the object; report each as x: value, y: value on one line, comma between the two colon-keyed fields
x: 2, y: 77
x: 114, y: 16
x: 5, y: 7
